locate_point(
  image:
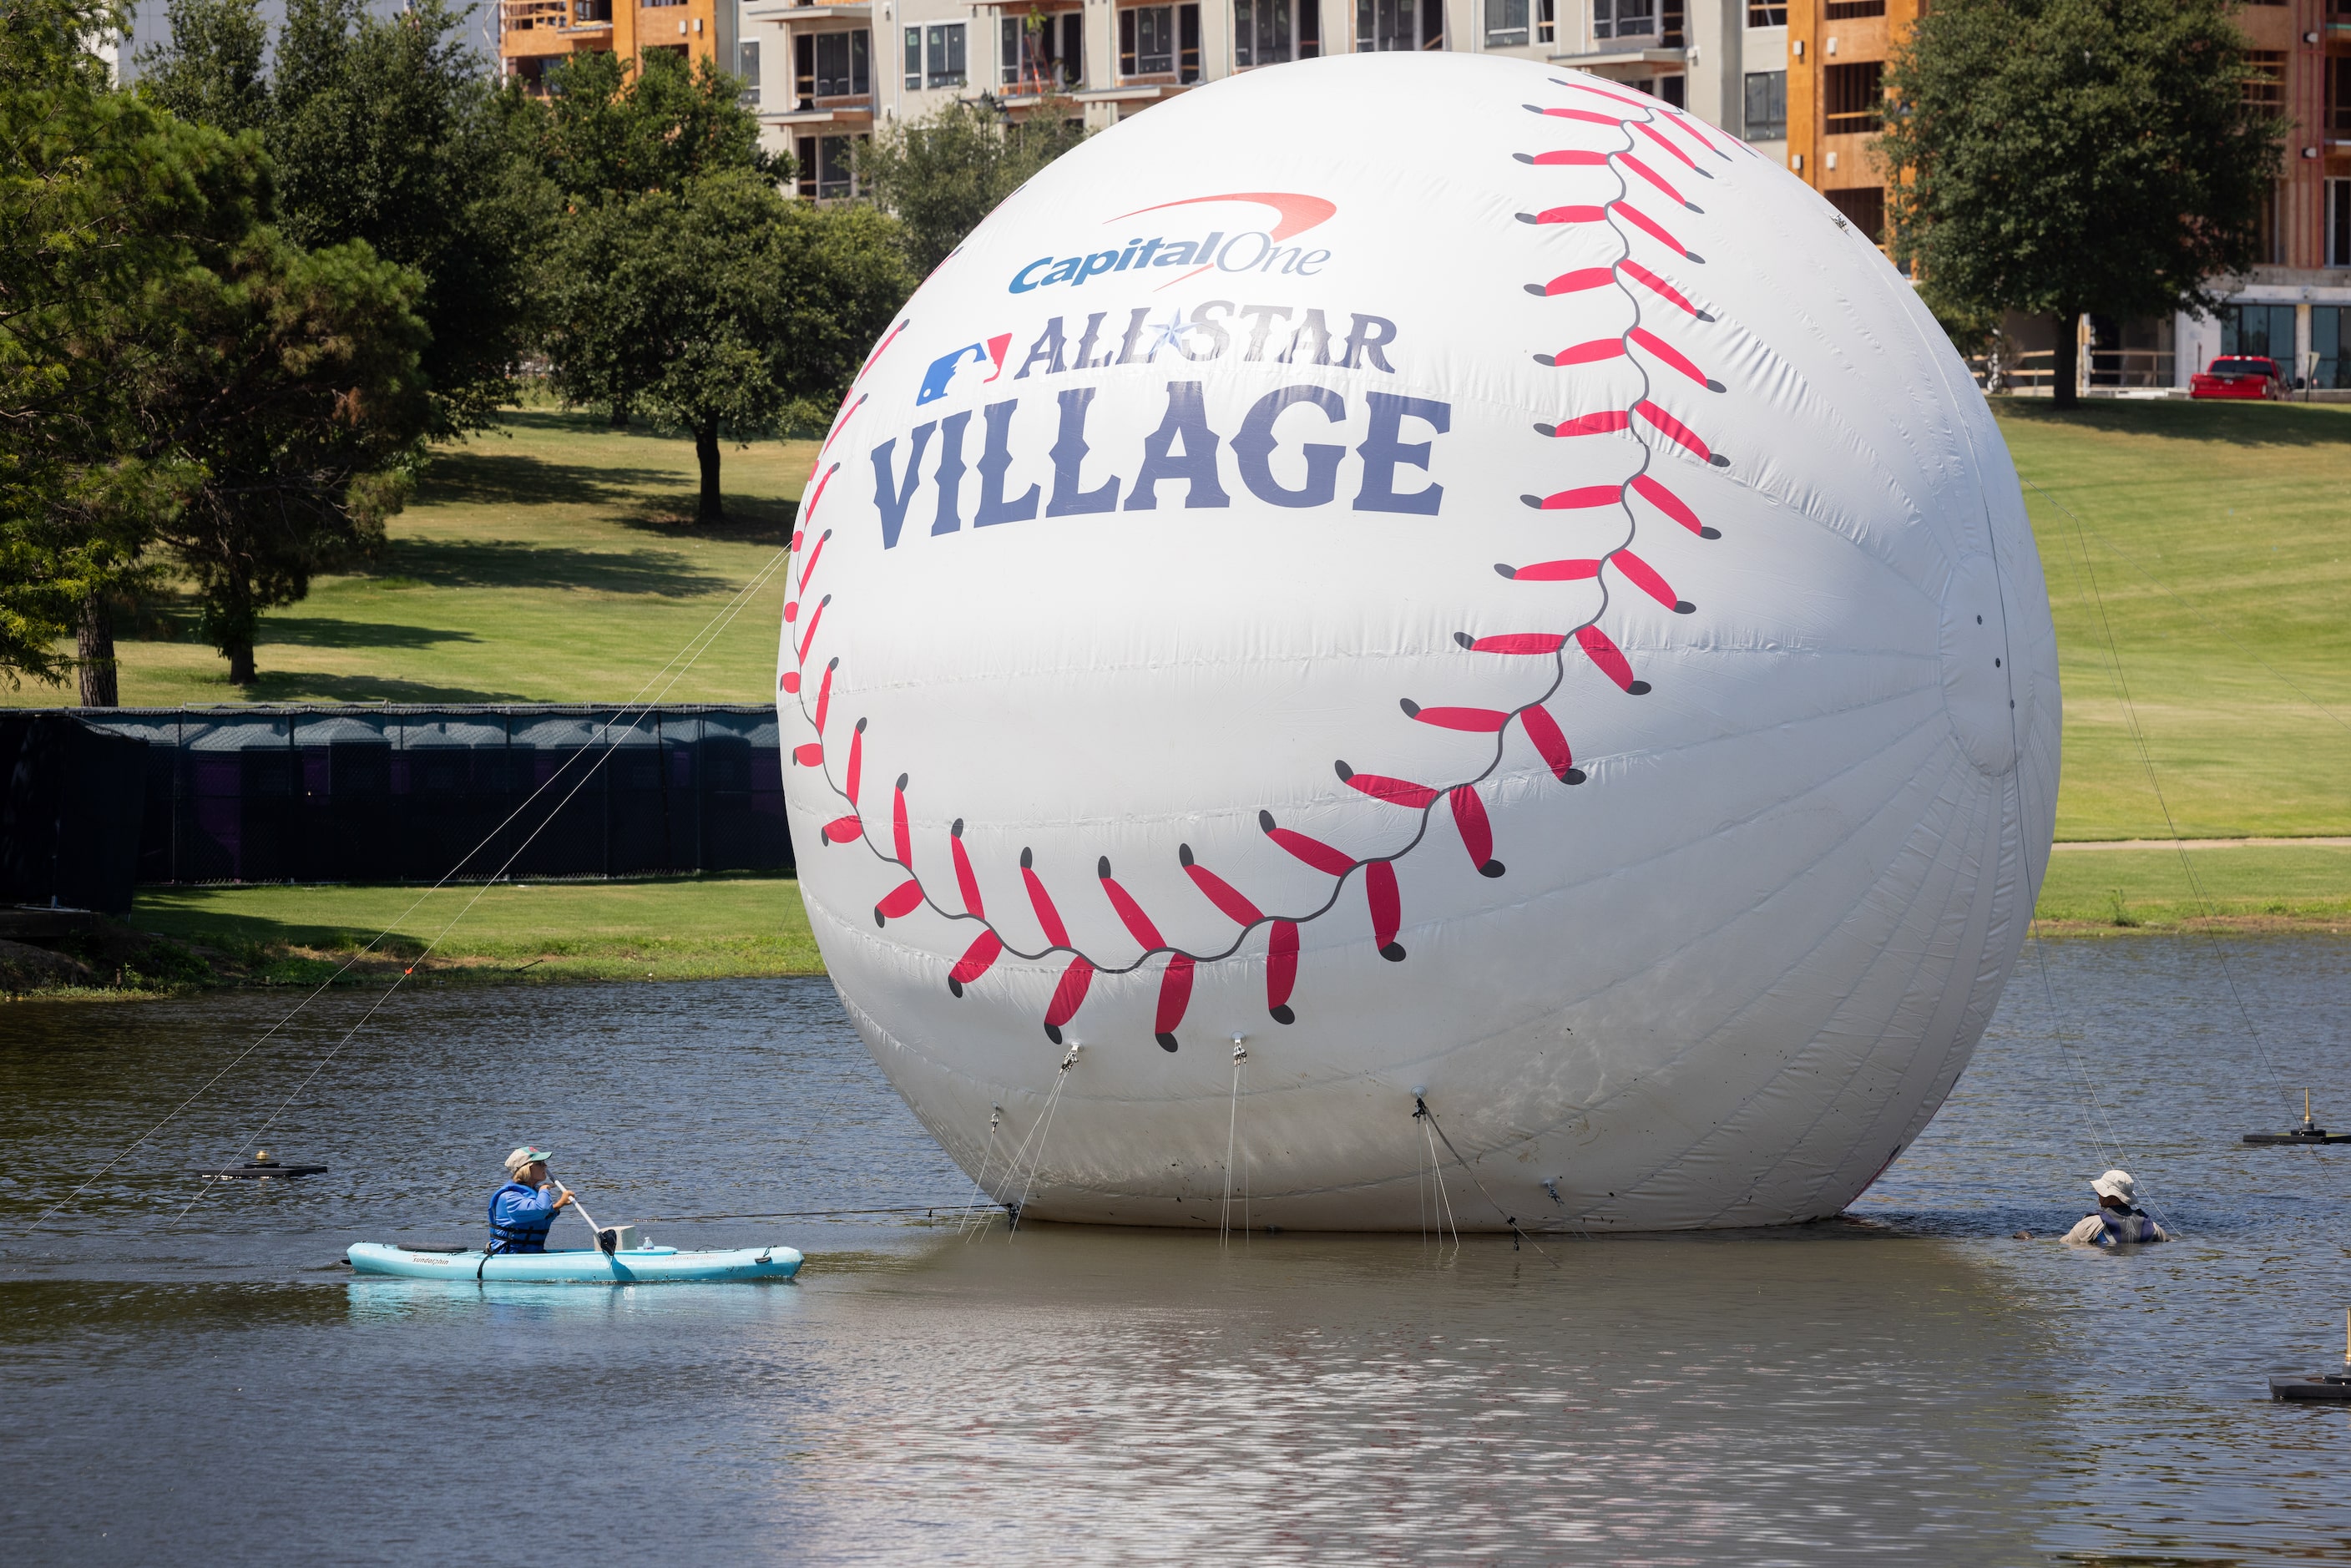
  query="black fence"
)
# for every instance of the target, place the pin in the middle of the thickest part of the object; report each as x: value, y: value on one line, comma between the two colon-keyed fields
x: 414, y: 794
x: 71, y: 805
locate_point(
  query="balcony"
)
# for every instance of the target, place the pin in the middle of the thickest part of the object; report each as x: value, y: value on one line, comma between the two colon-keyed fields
x: 555, y: 15
x: 793, y: 11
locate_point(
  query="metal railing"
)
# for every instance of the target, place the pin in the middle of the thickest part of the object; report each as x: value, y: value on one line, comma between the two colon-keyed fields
x: 2037, y: 368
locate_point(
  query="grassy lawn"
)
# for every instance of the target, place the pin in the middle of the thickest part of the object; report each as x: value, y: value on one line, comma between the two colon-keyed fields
x: 554, y: 561
x: 2252, y: 887
x: 669, y: 928
x: 2214, y: 540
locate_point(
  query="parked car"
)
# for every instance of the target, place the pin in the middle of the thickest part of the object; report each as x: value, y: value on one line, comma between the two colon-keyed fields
x: 2239, y: 375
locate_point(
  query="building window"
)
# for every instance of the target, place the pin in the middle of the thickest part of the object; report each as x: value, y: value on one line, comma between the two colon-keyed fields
x: 943, y: 42
x: 2338, y: 223
x: 1864, y: 207
x: 1382, y: 24
x: 2265, y: 78
x: 1849, y: 10
x: 1856, y: 96
x: 1623, y: 18
x: 1146, y: 41
x: 1767, y: 15
x: 2330, y: 345
x: 1507, y: 24
x: 828, y: 167
x: 746, y: 65
x: 831, y: 64
x: 2263, y: 331
x: 2338, y: 89
x: 1767, y: 106
x: 1043, y: 53
x: 1269, y: 32
x: 1546, y: 25
x: 1160, y: 40
x: 934, y: 56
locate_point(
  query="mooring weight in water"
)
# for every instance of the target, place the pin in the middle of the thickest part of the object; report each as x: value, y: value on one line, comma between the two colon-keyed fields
x: 2333, y: 1387
x: 2310, y: 1132
x: 262, y: 1165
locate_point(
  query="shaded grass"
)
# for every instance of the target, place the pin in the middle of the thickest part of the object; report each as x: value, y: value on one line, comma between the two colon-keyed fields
x: 2205, y: 574
x: 553, y: 560
x: 669, y: 928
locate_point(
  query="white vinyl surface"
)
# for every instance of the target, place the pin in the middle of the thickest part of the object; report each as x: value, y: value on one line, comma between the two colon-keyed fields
x: 1579, y: 546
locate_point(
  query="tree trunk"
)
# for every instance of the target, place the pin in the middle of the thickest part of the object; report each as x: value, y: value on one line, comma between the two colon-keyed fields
x: 240, y: 663
x: 620, y: 413
x: 99, y: 687
x: 2064, y: 381
x: 706, y: 449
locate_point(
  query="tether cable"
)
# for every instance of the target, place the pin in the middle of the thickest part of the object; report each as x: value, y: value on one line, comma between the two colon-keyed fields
x: 689, y: 652
x: 728, y: 617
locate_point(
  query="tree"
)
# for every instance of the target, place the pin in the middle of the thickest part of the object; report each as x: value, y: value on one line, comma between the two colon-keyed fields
x: 722, y: 307
x: 2057, y: 157
x: 211, y: 72
x: 384, y: 130
x: 942, y: 174
x: 612, y: 130
x: 107, y: 206
x: 295, y: 392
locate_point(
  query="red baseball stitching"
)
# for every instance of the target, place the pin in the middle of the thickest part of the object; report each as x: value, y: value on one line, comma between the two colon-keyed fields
x: 1462, y: 801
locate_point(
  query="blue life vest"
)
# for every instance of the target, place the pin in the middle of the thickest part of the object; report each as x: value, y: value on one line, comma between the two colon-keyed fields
x: 520, y: 1218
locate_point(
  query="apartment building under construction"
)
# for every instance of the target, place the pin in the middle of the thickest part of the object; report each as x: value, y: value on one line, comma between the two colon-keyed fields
x: 1800, y: 80
x: 2295, y: 307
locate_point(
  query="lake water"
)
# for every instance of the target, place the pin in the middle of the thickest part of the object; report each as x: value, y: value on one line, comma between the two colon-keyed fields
x: 1908, y: 1384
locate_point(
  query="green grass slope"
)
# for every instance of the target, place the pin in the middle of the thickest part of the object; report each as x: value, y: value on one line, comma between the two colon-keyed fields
x: 553, y: 560
x: 2199, y: 558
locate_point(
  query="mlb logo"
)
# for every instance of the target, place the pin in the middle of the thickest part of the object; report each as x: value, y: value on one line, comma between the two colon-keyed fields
x: 943, y: 369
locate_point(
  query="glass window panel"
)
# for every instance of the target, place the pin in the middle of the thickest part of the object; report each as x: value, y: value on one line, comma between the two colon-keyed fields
x: 1767, y: 106
x: 1505, y: 23
x: 914, y: 59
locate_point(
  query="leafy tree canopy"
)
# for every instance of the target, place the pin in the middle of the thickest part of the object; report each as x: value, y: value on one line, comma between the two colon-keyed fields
x: 107, y: 207
x: 721, y: 306
x: 940, y: 175
x: 610, y: 129
x: 2055, y: 157
x: 385, y: 130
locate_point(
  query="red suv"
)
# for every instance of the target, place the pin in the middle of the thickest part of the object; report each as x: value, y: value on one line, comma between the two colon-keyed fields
x: 2238, y: 375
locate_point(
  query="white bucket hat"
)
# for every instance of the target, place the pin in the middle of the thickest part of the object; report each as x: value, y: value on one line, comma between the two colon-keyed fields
x: 2115, y: 1185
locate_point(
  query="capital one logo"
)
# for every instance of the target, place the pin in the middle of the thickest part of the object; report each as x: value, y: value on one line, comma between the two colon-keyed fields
x: 1255, y: 250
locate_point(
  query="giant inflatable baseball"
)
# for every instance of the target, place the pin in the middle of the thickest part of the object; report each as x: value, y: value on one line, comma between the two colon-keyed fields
x: 1496, y: 670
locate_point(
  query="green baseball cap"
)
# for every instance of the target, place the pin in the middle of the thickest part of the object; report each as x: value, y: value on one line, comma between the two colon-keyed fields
x: 525, y: 1155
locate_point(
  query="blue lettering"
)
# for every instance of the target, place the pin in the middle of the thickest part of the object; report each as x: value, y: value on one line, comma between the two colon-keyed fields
x: 993, y: 461
x: 1020, y: 281
x: 1381, y: 452
x: 887, y: 494
x: 1255, y: 445
x: 950, y: 473
x: 1069, y: 457
x: 1186, y: 421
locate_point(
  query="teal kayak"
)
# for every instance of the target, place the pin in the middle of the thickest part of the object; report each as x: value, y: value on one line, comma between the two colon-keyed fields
x: 635, y: 1266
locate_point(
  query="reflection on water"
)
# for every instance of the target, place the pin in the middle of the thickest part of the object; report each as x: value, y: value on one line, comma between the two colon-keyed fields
x: 1908, y: 1384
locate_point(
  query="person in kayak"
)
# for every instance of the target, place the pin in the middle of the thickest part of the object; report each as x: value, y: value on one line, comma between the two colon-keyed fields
x: 522, y: 1211
x: 2115, y: 1221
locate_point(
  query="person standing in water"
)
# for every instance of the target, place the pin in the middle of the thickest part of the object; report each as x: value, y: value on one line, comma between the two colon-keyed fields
x: 2114, y: 1222
x: 524, y: 1210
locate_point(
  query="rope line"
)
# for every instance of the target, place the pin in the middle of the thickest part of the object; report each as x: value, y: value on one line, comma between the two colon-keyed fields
x: 1232, y: 1128
x: 1420, y: 1108
x: 2154, y: 785
x: 711, y: 632
x: 707, y: 635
